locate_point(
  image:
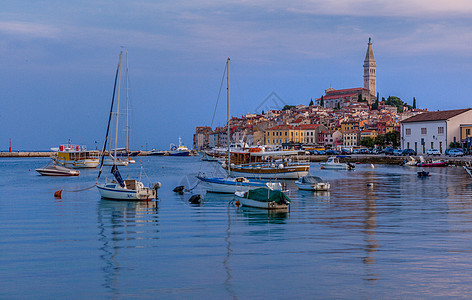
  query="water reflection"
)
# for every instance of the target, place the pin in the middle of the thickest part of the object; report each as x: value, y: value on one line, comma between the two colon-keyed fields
x: 123, y: 224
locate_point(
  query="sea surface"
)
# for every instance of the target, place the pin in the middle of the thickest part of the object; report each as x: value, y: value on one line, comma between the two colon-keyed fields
x: 381, y: 232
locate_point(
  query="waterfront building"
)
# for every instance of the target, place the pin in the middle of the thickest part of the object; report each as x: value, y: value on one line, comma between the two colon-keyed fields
x: 281, y: 134
x: 368, y: 133
x: 350, y: 124
x: 201, y: 137
x: 312, y: 133
x: 351, y: 138
x: 434, y: 130
x: 332, y: 138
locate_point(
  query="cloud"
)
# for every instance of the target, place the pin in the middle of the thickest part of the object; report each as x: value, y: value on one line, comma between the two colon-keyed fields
x: 33, y: 30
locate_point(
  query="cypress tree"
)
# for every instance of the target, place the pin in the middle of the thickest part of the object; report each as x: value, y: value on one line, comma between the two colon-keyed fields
x: 322, y: 102
x: 414, y: 102
x: 311, y: 102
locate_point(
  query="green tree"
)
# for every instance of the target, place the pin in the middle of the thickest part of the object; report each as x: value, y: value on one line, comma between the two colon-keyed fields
x: 454, y: 145
x: 322, y: 102
x: 414, y: 102
x: 311, y: 102
x: 380, y: 140
x: 393, y: 138
x: 286, y: 107
x: 368, y: 142
x: 375, y: 105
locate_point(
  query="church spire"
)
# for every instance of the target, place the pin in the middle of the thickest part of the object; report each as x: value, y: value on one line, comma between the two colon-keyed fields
x: 370, y: 81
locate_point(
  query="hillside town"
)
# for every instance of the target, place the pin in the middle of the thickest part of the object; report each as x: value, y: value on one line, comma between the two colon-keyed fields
x: 348, y: 118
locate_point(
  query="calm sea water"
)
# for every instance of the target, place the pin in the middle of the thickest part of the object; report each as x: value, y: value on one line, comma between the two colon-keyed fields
x: 402, y: 237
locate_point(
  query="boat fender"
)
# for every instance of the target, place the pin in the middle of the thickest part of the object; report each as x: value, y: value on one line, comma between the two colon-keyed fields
x: 157, y: 185
x: 195, y: 199
x: 237, y: 203
x: 281, y: 166
x: 57, y: 194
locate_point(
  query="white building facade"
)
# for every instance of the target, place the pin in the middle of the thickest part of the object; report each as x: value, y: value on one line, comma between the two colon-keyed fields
x: 433, y: 130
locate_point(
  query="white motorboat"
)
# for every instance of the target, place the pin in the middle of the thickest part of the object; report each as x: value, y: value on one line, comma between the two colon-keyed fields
x: 312, y: 183
x: 410, y: 162
x: 262, y: 198
x: 117, y: 188
x: 333, y: 163
x: 118, y: 162
x: 52, y: 169
x: 468, y: 167
x: 230, y: 185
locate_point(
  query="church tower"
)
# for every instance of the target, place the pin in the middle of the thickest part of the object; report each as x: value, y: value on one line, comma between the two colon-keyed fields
x: 370, y: 81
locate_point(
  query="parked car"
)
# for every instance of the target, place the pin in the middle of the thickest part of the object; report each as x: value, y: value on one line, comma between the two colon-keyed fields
x: 397, y: 152
x: 331, y: 152
x: 388, y: 151
x: 364, y: 151
x: 455, y: 152
x: 433, y: 152
x: 409, y: 152
x: 376, y: 151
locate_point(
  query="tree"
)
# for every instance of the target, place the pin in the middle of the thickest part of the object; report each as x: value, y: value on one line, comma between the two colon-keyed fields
x: 262, y: 113
x: 378, y: 96
x: 368, y: 142
x: 414, y: 102
x: 311, y: 103
x: 359, y: 98
x: 454, y: 145
x: 322, y: 102
x: 375, y: 105
x: 393, y: 138
x: 286, y: 107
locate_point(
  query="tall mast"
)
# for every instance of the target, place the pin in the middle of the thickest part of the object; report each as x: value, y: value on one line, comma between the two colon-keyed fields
x: 127, y: 105
x: 228, y: 118
x: 117, y: 111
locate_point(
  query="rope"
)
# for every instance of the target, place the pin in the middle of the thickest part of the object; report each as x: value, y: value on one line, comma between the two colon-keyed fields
x: 80, y: 189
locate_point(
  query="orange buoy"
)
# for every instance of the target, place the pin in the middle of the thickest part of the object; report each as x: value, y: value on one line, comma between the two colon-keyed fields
x: 237, y: 203
x: 58, y: 194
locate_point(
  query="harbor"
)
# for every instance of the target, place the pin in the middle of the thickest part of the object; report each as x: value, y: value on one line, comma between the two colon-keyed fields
x: 376, y: 228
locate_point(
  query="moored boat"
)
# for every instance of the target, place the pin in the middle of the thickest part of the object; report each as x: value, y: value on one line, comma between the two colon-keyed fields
x: 52, y: 169
x: 333, y: 163
x: 312, y: 183
x: 230, y: 185
x: 180, y: 150
x: 119, y: 189
x: 76, y: 156
x: 263, y: 198
x: 433, y: 163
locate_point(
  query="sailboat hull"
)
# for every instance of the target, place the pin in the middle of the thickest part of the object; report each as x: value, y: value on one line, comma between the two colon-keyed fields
x: 116, y: 192
x: 230, y: 185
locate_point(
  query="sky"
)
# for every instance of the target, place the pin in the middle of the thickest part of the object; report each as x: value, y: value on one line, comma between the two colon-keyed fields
x: 58, y: 61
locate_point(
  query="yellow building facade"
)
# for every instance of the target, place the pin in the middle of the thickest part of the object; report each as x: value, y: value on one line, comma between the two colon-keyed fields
x: 284, y: 134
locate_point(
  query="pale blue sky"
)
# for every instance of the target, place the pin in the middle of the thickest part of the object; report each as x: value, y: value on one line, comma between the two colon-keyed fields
x: 58, y: 58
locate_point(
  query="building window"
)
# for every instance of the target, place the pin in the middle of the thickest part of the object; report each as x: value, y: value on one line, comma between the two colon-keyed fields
x: 423, y: 131
x: 440, y: 130
x: 467, y: 131
x: 408, y: 131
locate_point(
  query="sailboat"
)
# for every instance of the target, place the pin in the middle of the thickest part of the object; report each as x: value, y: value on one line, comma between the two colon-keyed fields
x: 229, y: 184
x: 119, y: 189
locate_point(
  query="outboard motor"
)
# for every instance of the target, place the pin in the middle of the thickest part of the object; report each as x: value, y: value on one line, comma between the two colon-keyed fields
x: 195, y: 199
x: 180, y: 189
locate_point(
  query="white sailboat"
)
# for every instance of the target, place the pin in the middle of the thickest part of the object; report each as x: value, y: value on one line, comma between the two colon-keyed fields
x: 117, y: 188
x: 229, y: 184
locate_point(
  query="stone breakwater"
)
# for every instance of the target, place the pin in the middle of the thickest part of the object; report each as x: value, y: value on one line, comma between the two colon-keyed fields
x: 26, y: 154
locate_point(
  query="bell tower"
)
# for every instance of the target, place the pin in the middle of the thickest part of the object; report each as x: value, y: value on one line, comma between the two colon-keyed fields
x: 370, y: 81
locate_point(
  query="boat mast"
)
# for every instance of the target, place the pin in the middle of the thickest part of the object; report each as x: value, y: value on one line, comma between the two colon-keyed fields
x: 117, y: 111
x: 127, y: 106
x: 228, y: 119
